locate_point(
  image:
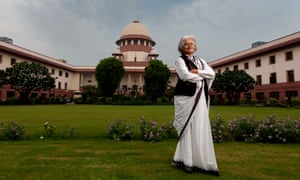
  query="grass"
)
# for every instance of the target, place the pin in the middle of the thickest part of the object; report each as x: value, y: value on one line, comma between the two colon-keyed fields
x: 91, y: 121
x: 91, y: 156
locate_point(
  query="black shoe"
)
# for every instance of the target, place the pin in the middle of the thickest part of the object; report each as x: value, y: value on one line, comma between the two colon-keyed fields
x: 176, y: 164
x: 188, y: 169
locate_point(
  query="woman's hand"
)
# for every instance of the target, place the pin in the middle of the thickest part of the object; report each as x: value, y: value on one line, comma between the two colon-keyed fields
x: 195, y: 71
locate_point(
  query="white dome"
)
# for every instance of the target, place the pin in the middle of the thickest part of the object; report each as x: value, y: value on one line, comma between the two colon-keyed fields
x: 135, y: 28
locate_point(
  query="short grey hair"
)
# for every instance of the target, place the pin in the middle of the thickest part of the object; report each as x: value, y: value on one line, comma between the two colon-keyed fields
x: 182, y: 40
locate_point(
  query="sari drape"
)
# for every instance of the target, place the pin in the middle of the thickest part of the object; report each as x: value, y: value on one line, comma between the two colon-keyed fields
x: 195, y: 147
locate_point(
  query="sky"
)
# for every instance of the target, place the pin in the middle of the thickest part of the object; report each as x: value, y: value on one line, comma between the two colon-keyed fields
x: 85, y: 31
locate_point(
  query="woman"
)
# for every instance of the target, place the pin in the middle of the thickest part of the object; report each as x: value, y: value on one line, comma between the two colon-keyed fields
x: 195, y: 149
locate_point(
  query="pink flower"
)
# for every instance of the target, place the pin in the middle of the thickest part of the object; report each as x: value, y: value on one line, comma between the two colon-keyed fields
x: 271, y: 126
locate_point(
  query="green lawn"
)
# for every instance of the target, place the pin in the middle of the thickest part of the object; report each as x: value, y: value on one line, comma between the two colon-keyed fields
x: 93, y: 120
x: 91, y: 156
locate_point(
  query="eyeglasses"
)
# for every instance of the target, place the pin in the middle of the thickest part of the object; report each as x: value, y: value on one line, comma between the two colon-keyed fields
x: 189, y: 44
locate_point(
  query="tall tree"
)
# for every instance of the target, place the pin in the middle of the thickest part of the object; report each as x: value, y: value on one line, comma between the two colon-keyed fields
x: 25, y: 77
x: 156, y: 79
x: 233, y: 83
x: 109, y: 73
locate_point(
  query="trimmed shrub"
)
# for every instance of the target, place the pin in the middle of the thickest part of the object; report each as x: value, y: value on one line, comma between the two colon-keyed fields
x: 243, y: 128
x: 150, y: 130
x: 218, y: 129
x: 14, y: 131
x: 121, y: 130
x: 49, y: 130
x: 295, y: 102
x: 169, y: 130
x: 275, y: 130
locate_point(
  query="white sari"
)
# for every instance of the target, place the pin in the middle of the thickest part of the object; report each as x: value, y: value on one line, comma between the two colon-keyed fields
x: 195, y: 147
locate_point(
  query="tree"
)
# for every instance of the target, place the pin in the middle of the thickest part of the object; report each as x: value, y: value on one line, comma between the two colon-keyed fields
x: 156, y: 79
x: 26, y: 77
x: 2, y: 78
x: 90, y: 94
x: 109, y: 73
x: 233, y: 83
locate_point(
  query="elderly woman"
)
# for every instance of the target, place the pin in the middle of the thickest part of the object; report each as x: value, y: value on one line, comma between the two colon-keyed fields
x: 195, y: 149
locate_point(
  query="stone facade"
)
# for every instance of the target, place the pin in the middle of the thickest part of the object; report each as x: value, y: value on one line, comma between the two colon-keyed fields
x: 274, y: 65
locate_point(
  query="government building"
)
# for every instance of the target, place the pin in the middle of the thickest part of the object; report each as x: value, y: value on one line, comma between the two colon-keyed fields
x: 274, y: 65
x: 135, y: 50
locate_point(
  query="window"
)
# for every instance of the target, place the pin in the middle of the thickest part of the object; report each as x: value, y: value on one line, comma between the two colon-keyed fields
x: 246, y: 65
x: 258, y: 80
x: 66, y: 86
x: 67, y: 75
x: 273, y: 78
x: 0, y: 59
x: 59, y: 85
x: 290, y: 76
x: 227, y: 68
x: 272, y: 60
x: 290, y: 94
x: 12, y: 61
x: 52, y: 71
x: 257, y: 63
x: 289, y: 55
x: 219, y: 71
x: 260, y: 96
x: 235, y: 67
x: 274, y: 94
x: 60, y: 73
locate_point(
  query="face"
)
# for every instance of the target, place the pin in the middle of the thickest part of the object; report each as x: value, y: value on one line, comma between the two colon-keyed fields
x: 189, y: 46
